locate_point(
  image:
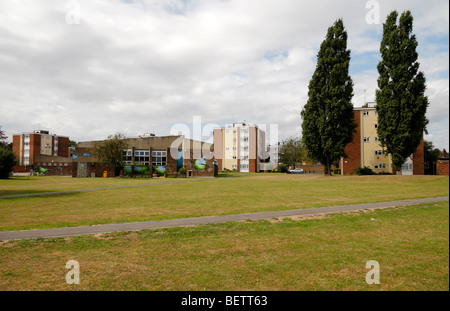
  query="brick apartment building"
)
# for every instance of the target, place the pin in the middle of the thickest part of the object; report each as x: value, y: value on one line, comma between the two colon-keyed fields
x: 365, y: 149
x: 239, y: 147
x: 39, y: 146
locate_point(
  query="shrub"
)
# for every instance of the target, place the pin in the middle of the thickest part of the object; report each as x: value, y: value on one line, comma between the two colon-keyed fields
x: 364, y: 171
x: 182, y: 171
x: 281, y: 168
x: 384, y: 173
x: 7, y: 161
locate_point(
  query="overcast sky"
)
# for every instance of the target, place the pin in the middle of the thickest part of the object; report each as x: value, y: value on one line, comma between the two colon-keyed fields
x: 90, y: 68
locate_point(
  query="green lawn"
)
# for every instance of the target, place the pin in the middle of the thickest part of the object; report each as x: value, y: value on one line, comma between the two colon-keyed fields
x: 179, y: 198
x: 410, y: 243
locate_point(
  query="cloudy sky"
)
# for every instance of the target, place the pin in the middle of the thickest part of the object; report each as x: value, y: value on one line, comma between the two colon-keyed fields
x: 90, y: 68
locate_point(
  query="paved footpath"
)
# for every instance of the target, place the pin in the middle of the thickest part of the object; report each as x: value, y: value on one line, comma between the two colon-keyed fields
x: 136, y: 226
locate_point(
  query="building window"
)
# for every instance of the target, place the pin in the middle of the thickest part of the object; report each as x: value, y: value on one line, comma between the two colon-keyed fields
x: 376, y: 139
x: 159, y: 158
x: 126, y: 156
x: 378, y: 152
x: 366, y: 113
x: 366, y: 139
x: 234, y: 166
x: 376, y: 125
x: 244, y: 166
x: 142, y: 157
x: 380, y: 166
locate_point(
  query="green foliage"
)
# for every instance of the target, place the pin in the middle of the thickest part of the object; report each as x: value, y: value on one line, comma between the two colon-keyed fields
x: 336, y: 171
x: 292, y: 151
x: 328, y: 119
x: 281, y: 168
x: 364, y: 171
x: 7, y: 161
x: 110, y: 151
x: 401, y: 100
x: 182, y: 171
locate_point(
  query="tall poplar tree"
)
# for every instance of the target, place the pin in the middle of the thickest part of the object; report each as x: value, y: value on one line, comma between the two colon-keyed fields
x: 328, y: 119
x: 401, y: 100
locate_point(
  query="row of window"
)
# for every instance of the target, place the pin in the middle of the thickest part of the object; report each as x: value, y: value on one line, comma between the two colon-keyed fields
x: 159, y: 158
x: 367, y: 139
x: 52, y: 164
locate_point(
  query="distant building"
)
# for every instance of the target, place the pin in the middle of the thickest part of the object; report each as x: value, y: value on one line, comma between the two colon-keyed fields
x: 366, y: 150
x: 442, y: 163
x: 239, y: 147
x: 29, y: 146
x: 165, y: 155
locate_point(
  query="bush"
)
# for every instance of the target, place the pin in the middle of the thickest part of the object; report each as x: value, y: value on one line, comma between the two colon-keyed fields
x: 384, y: 173
x: 182, y: 171
x: 364, y: 171
x: 7, y: 161
x: 281, y: 168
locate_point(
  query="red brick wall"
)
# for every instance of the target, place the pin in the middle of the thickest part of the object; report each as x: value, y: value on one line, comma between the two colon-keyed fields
x: 419, y: 160
x: 252, y: 166
x: 442, y: 167
x: 35, y: 146
x: 16, y: 147
x: 353, y: 149
x: 63, y: 147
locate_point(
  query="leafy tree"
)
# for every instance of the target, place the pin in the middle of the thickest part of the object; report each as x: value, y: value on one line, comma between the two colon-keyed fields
x: 291, y: 151
x: 110, y: 151
x: 7, y: 161
x: 401, y: 100
x: 3, y: 138
x: 328, y: 119
x: 431, y: 155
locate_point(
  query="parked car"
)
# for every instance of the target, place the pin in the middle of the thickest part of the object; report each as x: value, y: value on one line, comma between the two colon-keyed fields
x: 296, y: 171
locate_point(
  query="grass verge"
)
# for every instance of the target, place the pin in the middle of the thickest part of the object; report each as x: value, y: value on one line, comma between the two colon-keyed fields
x: 329, y: 252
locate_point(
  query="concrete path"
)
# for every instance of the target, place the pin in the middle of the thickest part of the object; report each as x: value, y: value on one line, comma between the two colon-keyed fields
x: 136, y: 226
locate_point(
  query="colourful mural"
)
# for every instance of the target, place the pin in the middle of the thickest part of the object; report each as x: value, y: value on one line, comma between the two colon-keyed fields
x: 159, y: 169
x: 130, y: 169
x: 42, y: 170
x: 200, y: 164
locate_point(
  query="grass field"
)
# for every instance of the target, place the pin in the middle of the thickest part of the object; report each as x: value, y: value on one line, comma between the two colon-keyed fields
x: 180, y: 198
x: 329, y: 252
x: 311, y: 253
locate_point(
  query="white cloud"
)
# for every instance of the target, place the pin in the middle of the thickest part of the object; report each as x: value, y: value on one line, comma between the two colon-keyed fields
x: 139, y: 66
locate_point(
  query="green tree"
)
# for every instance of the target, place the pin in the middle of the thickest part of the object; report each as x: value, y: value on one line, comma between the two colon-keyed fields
x: 328, y: 120
x: 401, y: 100
x: 431, y: 155
x: 291, y: 151
x: 7, y: 161
x: 3, y: 138
x: 110, y: 151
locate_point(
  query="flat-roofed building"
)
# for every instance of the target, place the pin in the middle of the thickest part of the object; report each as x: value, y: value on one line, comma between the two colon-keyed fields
x: 239, y: 147
x: 366, y: 150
